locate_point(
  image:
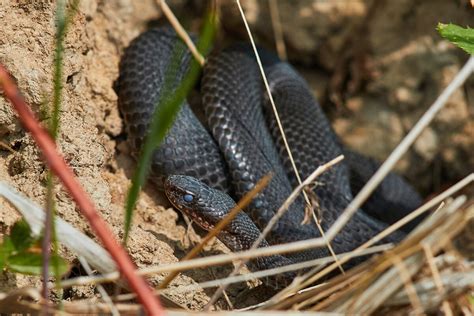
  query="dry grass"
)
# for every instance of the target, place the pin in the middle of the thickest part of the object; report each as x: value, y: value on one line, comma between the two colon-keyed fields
x: 422, y: 274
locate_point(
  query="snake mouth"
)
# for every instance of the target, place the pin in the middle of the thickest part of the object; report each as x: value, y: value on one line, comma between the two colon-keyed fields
x: 192, y: 214
x: 201, y: 222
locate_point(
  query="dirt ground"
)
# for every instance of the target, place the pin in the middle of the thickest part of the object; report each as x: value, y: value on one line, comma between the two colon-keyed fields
x: 375, y: 68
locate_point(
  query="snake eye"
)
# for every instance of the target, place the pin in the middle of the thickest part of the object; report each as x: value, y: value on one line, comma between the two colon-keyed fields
x: 188, y: 197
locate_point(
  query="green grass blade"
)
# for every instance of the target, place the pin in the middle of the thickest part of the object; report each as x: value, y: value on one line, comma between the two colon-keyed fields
x: 63, y: 19
x: 163, y: 118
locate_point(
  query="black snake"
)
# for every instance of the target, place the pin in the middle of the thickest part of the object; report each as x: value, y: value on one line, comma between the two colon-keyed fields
x: 239, y: 143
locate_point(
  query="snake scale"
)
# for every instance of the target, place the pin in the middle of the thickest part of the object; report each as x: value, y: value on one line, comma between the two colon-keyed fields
x: 203, y: 165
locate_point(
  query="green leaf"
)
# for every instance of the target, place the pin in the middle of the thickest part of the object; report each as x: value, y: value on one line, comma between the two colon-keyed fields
x: 21, y: 236
x: 459, y: 36
x: 6, y: 249
x: 165, y: 113
x: 31, y: 263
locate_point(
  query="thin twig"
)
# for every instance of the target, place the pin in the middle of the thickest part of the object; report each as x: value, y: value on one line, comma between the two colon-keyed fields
x: 5, y: 145
x: 229, y: 303
x: 100, y: 288
x: 453, y: 283
x: 436, y: 278
x: 181, y: 32
x: 409, y: 288
x: 284, y: 207
x: 277, y: 29
x: 48, y: 231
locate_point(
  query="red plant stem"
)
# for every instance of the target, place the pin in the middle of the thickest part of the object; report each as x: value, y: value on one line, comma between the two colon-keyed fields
x: 63, y: 172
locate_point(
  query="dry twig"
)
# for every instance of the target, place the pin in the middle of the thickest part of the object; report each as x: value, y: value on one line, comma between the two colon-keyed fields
x: 277, y: 29
x: 181, y: 32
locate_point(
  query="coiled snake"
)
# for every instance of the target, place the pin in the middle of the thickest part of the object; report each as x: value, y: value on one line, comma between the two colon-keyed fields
x: 201, y: 164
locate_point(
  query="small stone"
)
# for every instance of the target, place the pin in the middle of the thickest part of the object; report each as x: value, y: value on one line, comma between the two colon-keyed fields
x: 405, y: 97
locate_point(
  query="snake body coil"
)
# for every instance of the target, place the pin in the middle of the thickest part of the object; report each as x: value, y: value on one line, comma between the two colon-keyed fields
x: 239, y: 143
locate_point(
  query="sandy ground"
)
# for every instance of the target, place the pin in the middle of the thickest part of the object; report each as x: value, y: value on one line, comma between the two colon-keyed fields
x: 392, y: 65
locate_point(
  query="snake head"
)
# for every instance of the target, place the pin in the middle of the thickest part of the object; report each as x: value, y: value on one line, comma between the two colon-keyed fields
x: 204, y: 205
x: 207, y: 206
